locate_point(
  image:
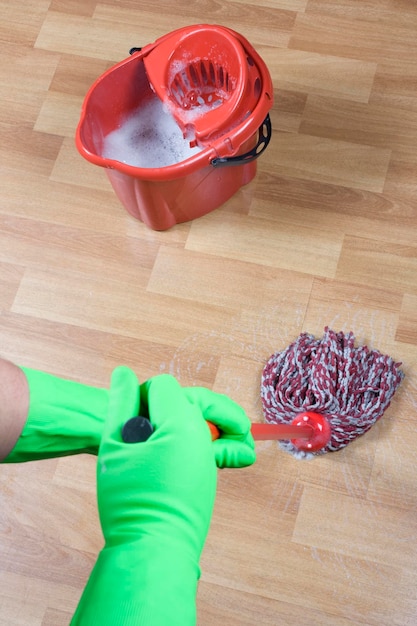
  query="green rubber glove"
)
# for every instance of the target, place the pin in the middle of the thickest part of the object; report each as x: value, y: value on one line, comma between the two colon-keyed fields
x: 235, y: 447
x: 64, y: 418
x: 155, y: 502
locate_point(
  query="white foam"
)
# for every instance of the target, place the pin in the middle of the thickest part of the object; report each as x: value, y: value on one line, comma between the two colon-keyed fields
x: 149, y: 137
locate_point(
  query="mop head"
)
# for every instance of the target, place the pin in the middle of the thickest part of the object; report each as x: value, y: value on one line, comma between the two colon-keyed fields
x: 350, y: 386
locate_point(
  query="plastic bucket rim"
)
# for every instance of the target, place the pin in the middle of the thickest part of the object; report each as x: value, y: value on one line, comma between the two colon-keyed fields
x: 223, y: 146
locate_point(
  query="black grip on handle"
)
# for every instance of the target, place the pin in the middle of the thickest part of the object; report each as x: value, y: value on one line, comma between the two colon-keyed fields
x: 137, y: 430
x: 264, y: 137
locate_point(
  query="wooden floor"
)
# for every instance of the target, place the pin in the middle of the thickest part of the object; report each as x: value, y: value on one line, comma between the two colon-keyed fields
x: 325, y: 235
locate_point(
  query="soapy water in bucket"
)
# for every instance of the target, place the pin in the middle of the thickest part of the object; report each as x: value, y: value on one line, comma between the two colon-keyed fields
x: 148, y: 137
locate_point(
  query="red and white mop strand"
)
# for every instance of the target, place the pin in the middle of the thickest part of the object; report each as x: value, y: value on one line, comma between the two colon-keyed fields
x: 351, y: 387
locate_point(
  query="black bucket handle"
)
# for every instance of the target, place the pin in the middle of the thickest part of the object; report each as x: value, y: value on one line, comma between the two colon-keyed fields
x: 264, y: 132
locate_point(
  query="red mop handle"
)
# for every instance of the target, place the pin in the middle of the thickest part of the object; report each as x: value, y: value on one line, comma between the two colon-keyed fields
x: 309, y: 431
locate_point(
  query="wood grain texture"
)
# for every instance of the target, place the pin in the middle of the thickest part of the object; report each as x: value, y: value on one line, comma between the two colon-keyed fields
x: 324, y: 235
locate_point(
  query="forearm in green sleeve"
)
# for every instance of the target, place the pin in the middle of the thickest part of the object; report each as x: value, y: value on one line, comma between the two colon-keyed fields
x: 145, y: 583
x: 64, y: 418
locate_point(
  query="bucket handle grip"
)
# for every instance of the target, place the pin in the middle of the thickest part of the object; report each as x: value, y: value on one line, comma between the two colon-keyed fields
x: 264, y: 137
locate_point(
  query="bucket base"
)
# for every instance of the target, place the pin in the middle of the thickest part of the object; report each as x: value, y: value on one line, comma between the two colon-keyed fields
x: 162, y: 204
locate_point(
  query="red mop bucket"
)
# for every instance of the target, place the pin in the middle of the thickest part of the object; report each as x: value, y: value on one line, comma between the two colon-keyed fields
x: 212, y: 82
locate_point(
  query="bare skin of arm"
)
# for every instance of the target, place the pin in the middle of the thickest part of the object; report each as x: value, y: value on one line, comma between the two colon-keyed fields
x: 14, y: 405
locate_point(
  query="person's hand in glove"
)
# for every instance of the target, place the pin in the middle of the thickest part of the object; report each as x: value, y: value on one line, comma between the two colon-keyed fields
x: 235, y: 446
x: 156, y: 500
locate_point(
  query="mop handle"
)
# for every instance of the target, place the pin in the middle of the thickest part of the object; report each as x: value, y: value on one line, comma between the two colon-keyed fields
x: 264, y: 432
x: 309, y: 431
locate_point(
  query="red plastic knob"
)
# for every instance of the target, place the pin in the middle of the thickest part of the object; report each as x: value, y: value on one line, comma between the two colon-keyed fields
x: 320, y: 428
